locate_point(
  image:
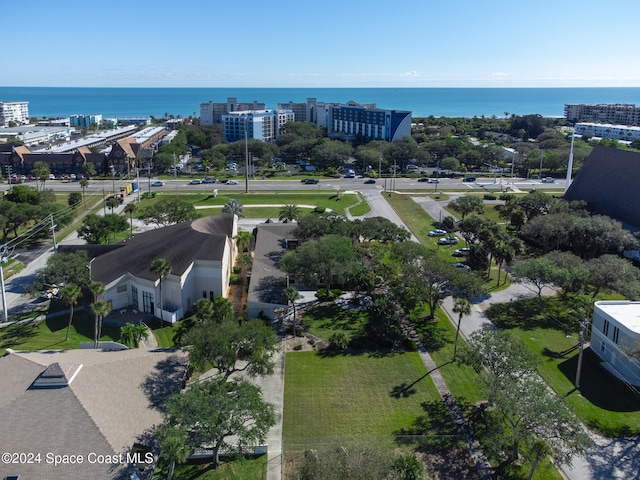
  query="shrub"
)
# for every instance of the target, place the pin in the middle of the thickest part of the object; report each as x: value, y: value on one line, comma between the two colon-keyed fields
x: 338, y: 341
x: 236, y: 269
x: 233, y: 279
x: 320, y: 294
x: 488, y: 196
x: 335, y: 293
x: 319, y: 210
x: 147, y: 195
x: 298, y: 347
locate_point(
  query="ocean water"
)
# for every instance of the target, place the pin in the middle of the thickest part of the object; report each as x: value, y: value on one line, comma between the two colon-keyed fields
x: 422, y: 102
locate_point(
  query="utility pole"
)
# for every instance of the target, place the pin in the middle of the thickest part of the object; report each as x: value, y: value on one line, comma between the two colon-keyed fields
x: 4, y: 256
x: 53, y: 231
x: 583, y: 328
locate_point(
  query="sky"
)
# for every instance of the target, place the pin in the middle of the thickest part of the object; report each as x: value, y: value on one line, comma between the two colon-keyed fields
x: 326, y: 43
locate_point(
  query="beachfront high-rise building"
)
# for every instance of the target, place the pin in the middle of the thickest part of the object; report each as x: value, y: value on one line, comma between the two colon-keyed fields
x: 614, y: 113
x: 16, y: 112
x: 212, y: 112
x: 264, y: 125
x: 352, y: 121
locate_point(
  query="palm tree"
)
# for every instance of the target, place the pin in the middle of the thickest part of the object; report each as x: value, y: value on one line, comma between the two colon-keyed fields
x: 100, y: 309
x: 130, y: 208
x: 133, y: 334
x: 462, y: 307
x: 70, y: 294
x: 289, y: 212
x: 234, y: 206
x: 242, y: 241
x: 111, y: 202
x: 96, y: 289
x: 291, y: 294
x: 539, y: 449
x: 162, y: 268
x: 174, y: 447
x: 84, y: 183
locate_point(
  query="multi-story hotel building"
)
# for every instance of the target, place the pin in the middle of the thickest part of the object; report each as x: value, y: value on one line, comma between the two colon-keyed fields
x: 350, y: 121
x: 17, y: 112
x: 614, y: 113
x: 212, y: 112
x: 353, y: 121
x: 262, y: 125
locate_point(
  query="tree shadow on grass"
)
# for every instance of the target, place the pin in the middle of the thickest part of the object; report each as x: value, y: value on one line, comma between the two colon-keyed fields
x: 16, y: 335
x: 405, y: 390
x: 436, y: 437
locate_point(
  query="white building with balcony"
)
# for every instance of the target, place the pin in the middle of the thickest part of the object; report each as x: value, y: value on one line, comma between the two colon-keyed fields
x: 16, y: 112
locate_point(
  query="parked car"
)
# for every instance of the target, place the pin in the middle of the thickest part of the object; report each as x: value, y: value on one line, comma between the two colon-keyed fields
x: 437, y: 233
x: 448, y: 241
x: 461, y: 266
x: 195, y: 181
x: 433, y: 180
x: 548, y: 180
x: 157, y: 183
x: 469, y: 179
x: 461, y: 252
x: 231, y: 182
x: 209, y: 180
x: 369, y: 181
x: 310, y: 181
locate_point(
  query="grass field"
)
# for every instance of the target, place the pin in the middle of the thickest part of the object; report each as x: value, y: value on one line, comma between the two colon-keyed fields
x: 324, y: 198
x: 50, y: 333
x: 338, y: 398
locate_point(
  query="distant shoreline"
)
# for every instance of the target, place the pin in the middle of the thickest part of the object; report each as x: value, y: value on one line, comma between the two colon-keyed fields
x: 466, y: 102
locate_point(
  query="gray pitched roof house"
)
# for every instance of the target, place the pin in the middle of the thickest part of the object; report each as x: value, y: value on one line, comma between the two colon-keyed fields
x: 267, y: 280
x: 201, y: 254
x: 93, y: 405
x: 608, y: 182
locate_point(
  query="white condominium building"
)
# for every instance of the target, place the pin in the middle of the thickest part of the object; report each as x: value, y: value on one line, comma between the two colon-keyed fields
x: 614, y: 113
x: 264, y: 125
x: 16, y: 112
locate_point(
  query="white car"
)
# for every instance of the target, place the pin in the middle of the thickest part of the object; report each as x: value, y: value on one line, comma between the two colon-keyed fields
x: 437, y: 233
x: 448, y: 241
x: 548, y: 180
x: 231, y: 182
x: 158, y: 183
x: 461, y: 252
x: 195, y: 182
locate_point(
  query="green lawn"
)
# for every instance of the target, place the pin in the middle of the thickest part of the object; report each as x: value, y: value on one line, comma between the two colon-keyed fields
x: 244, y: 469
x: 50, y: 333
x: 365, y: 398
x: 329, y: 318
x: 324, y: 198
x: 603, y: 403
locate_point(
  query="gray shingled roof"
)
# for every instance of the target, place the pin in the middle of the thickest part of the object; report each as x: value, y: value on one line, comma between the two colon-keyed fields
x: 180, y: 244
x: 115, y: 398
x: 608, y: 181
x: 267, y: 280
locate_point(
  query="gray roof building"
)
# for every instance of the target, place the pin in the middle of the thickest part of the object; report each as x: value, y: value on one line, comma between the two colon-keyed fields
x: 267, y: 280
x: 92, y: 404
x: 608, y: 182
